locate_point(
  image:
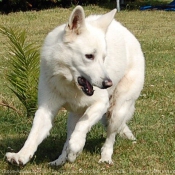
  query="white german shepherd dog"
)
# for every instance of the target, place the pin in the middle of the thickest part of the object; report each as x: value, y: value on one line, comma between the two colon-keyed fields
x: 93, y: 67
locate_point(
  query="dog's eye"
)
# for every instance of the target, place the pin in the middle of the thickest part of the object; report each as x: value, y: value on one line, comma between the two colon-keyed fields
x: 89, y: 56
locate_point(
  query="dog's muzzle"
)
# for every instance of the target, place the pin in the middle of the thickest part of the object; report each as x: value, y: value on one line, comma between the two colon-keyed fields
x: 87, y: 87
x: 106, y: 83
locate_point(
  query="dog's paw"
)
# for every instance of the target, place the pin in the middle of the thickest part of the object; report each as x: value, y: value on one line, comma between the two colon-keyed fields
x: 106, y: 155
x: 76, y: 145
x: 62, y: 158
x: 16, y: 158
x: 127, y: 134
x: 60, y: 161
x: 106, y: 160
x: 72, y: 154
x: 57, y: 162
x: 75, y: 148
x: 72, y: 157
x: 73, y: 151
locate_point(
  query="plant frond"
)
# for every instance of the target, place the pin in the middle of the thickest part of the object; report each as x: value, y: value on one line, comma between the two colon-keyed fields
x: 24, y: 68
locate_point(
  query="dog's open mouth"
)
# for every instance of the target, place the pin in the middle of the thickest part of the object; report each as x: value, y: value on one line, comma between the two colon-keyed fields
x: 86, y: 87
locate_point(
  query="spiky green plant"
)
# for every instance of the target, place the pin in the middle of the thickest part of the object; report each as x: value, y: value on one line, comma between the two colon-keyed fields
x: 24, y: 68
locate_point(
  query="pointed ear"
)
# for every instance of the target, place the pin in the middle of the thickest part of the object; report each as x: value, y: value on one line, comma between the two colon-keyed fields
x: 76, y: 24
x: 104, y: 21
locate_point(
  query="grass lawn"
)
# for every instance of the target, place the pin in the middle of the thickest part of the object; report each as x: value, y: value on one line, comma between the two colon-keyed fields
x: 154, y: 120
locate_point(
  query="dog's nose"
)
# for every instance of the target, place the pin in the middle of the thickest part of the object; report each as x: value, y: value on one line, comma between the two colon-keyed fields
x: 107, y: 83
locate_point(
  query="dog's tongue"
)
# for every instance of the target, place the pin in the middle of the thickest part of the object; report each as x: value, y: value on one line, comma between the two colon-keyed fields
x: 86, y: 87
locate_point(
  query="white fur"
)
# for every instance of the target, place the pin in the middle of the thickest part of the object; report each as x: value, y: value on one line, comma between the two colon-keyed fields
x: 118, y: 56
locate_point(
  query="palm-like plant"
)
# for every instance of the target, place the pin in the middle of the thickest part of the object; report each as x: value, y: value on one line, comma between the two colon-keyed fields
x: 24, y: 68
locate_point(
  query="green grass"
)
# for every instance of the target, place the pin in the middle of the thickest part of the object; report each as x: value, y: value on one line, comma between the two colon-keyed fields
x: 154, y: 120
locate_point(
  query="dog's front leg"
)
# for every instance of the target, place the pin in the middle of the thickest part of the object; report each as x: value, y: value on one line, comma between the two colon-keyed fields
x: 49, y: 104
x: 71, y: 123
x: 41, y: 125
x: 92, y: 115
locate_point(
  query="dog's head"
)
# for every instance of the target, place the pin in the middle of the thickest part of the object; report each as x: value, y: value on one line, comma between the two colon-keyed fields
x: 86, y: 40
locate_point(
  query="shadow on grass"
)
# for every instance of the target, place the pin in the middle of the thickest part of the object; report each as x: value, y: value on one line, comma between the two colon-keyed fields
x: 47, y: 151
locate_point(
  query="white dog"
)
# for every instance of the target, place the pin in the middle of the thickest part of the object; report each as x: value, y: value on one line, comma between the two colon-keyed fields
x: 93, y: 67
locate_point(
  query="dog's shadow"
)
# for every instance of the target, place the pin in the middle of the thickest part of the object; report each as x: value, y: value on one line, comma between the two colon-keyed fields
x: 49, y: 149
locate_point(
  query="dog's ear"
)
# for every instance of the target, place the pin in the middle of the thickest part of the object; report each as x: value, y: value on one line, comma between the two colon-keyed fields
x: 104, y: 21
x: 76, y: 24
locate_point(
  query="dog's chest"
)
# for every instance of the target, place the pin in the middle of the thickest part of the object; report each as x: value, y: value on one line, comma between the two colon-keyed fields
x: 75, y: 100
x: 77, y: 104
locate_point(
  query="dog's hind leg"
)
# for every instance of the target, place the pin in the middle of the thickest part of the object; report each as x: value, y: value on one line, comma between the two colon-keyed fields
x: 117, y: 124
x: 122, y: 106
x: 125, y: 132
x: 71, y: 123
